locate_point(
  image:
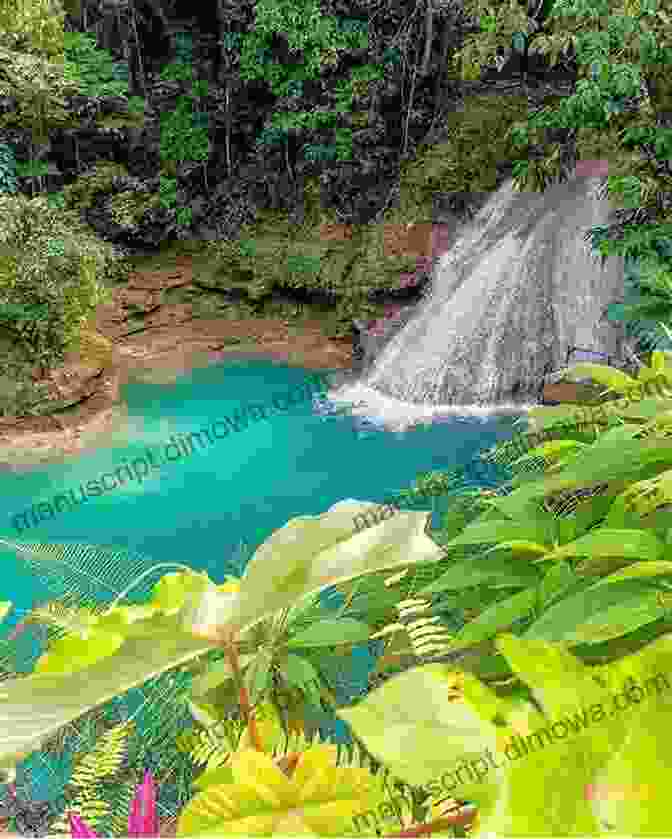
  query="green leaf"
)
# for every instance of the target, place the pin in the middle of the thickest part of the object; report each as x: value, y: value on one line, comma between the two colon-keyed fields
x: 599, y: 613
x: 298, y: 671
x: 639, y: 569
x: 498, y: 530
x: 521, y: 547
x: 498, y: 617
x: 72, y: 653
x: 5, y: 608
x: 606, y: 542
x: 492, y: 570
x: 258, y: 674
x: 557, y: 580
x: 218, y: 673
x: 331, y: 632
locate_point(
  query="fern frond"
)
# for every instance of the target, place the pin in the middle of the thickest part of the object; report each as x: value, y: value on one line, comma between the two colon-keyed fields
x: 105, y: 759
x: 207, y: 747
x: 85, y: 574
x: 88, y: 807
x: 118, y: 798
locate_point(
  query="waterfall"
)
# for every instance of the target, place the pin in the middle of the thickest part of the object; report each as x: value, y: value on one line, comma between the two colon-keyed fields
x: 518, y: 287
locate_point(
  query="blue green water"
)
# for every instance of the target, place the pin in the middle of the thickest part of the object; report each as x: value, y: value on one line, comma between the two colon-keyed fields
x: 197, y: 509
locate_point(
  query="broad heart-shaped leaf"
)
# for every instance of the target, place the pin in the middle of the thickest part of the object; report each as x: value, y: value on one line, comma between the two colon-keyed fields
x: 331, y: 632
x: 409, y: 724
x: 319, y: 799
x: 640, y: 768
x: 34, y: 707
x: 493, y: 570
x: 599, y: 613
x: 496, y: 618
x: 629, y: 544
x: 310, y: 553
x: 550, y: 764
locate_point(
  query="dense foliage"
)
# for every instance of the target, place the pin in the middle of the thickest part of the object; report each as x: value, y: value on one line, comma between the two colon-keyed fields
x: 540, y: 598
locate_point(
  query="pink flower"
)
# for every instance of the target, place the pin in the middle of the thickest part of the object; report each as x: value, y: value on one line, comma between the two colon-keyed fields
x: 142, y: 817
x: 80, y: 828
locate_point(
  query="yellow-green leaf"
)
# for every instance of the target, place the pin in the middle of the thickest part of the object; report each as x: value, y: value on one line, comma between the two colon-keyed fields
x: 320, y: 799
x: 221, y: 775
x: 308, y: 554
x: 71, y: 653
x: 170, y: 592
x: 521, y: 547
x: 33, y: 707
x: 629, y: 544
x: 600, y: 373
x: 599, y: 613
x: 639, y: 569
x: 419, y: 741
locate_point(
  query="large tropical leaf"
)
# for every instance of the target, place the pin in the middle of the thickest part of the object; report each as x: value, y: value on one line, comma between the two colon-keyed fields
x: 424, y: 741
x: 35, y: 707
x: 309, y: 553
x: 553, y: 757
x: 628, y: 788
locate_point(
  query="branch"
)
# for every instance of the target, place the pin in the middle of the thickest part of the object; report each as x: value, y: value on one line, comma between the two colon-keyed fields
x: 429, y: 36
x: 463, y: 817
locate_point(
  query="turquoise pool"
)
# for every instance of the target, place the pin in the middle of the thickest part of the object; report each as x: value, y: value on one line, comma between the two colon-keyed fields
x: 198, y: 508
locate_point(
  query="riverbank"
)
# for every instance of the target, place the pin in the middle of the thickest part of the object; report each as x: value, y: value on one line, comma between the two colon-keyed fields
x: 170, y: 341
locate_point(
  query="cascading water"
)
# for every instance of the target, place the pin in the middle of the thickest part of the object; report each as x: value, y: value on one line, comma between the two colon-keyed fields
x: 515, y: 291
